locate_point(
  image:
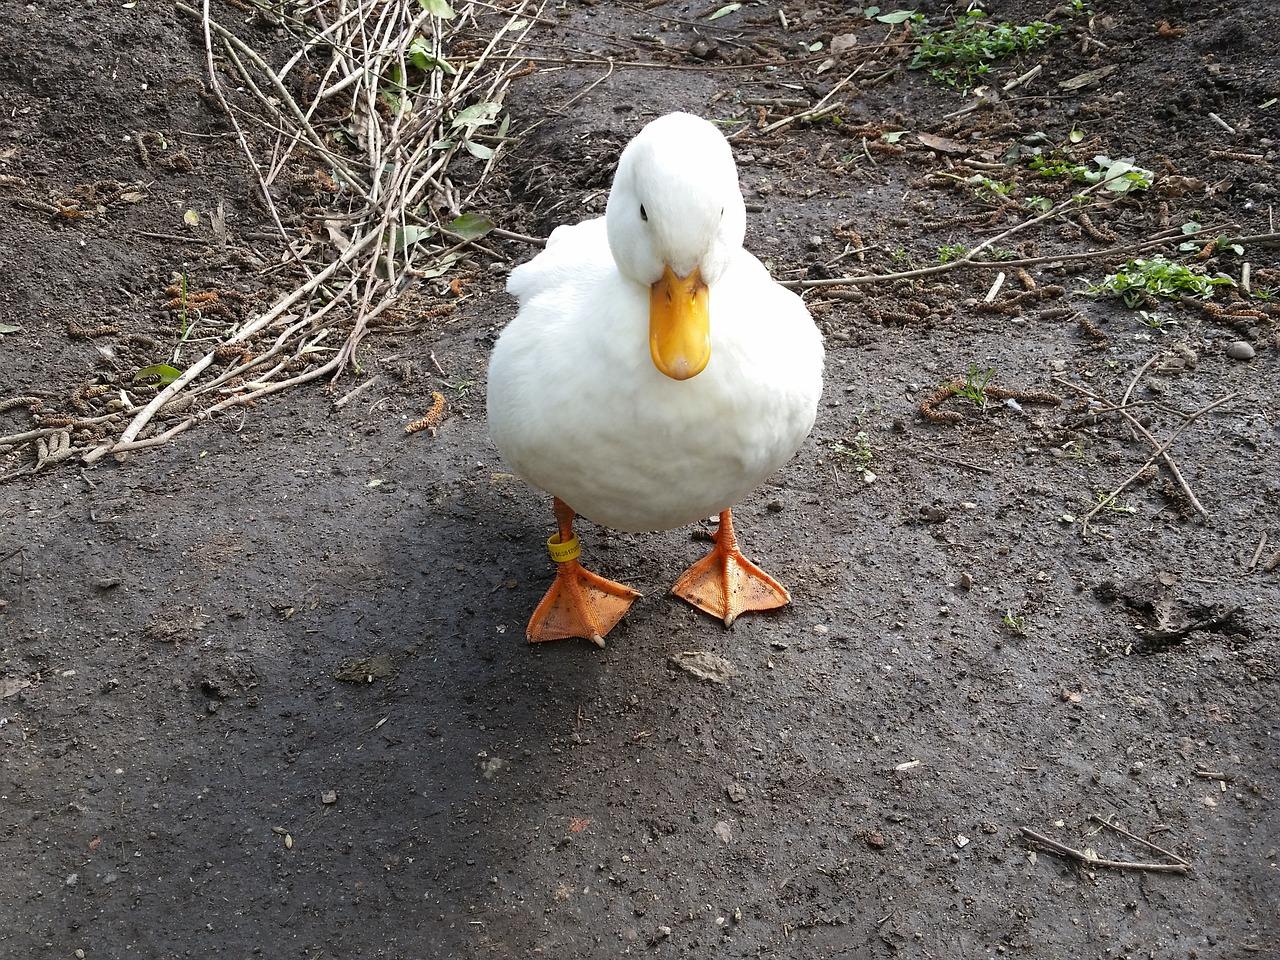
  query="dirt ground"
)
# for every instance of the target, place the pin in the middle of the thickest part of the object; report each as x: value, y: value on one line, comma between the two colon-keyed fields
x: 264, y: 690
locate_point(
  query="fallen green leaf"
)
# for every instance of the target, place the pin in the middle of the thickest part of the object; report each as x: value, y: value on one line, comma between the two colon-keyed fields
x: 1075, y: 136
x: 163, y: 373
x: 724, y: 11
x: 440, y: 268
x: 9, y: 328
x: 477, y: 115
x: 411, y: 233
x: 191, y: 218
x: 471, y: 226
x: 478, y: 150
x: 894, y: 136
x: 437, y: 8
x: 898, y: 16
x: 420, y: 56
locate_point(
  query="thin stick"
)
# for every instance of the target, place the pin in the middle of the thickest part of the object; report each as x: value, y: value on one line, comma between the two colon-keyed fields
x: 1262, y: 545
x: 1135, y: 425
x: 955, y: 463
x: 813, y: 111
x: 355, y: 392
x: 1110, y: 498
x: 1222, y: 123
x: 995, y: 288
x: 1146, y: 843
x: 587, y: 89
x: 1054, y: 846
x: 967, y: 263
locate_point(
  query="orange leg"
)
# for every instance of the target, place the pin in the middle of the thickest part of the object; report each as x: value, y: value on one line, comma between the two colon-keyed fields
x: 725, y: 584
x: 579, y: 603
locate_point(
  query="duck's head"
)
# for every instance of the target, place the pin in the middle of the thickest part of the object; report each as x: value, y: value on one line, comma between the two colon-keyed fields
x: 675, y: 219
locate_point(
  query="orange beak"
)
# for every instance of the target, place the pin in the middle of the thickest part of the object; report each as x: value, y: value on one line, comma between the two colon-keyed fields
x: 679, y: 325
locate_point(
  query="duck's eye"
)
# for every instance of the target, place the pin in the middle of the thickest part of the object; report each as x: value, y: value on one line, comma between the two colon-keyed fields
x: 643, y: 216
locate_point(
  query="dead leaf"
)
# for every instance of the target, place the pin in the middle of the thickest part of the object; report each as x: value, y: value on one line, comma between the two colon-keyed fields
x: 723, y: 830
x: 846, y: 41
x: 578, y: 824
x: 11, y: 685
x: 1179, y: 186
x: 1089, y: 78
x: 941, y: 144
x: 705, y: 666
x: 336, y: 236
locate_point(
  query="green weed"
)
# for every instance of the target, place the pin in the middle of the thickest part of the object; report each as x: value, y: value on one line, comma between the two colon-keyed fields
x: 1121, y: 175
x: 1110, y: 503
x: 1157, y: 277
x: 974, y: 388
x: 961, y: 55
x: 1014, y: 624
x: 952, y: 251
x: 859, y: 452
x: 1155, y: 321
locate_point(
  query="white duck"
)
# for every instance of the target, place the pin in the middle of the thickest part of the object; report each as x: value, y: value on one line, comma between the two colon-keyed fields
x: 654, y: 375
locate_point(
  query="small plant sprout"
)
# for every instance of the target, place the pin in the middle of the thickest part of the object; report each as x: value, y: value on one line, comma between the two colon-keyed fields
x: 1014, y: 624
x: 1157, y: 277
x: 994, y: 187
x: 1156, y: 321
x: 974, y: 388
x: 952, y: 251
x: 1108, y: 502
x: 1220, y: 244
x: 858, y: 451
x: 962, y: 55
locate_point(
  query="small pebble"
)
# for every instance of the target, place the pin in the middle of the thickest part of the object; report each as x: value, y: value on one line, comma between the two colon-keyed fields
x: 775, y: 506
x: 329, y: 796
x: 875, y: 840
x: 1240, y: 350
x: 821, y: 628
x: 966, y: 581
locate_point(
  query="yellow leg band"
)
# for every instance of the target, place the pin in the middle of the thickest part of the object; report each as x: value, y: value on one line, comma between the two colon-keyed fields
x: 563, y: 552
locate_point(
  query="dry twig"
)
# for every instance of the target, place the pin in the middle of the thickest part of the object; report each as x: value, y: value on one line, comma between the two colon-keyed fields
x: 1053, y: 846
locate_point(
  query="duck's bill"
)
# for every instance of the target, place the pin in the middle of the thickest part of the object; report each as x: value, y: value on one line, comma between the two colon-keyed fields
x: 679, y: 325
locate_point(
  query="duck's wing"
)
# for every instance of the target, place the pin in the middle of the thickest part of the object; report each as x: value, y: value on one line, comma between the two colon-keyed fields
x: 573, y: 254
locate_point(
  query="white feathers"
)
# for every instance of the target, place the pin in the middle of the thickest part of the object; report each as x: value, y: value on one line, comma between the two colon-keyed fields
x: 575, y: 403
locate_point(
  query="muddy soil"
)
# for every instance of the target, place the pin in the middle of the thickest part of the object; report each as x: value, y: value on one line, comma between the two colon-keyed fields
x: 264, y: 690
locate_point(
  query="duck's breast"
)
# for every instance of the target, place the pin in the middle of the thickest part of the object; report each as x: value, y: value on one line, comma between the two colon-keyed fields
x: 577, y: 407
